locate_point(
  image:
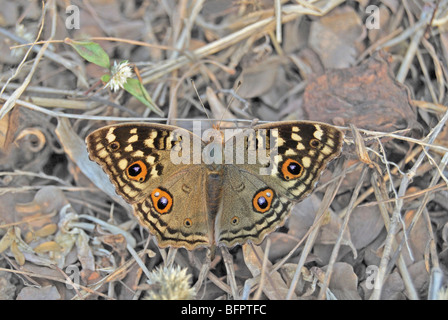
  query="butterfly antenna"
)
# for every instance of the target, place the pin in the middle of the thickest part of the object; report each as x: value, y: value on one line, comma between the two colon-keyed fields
x: 199, y: 97
x: 238, y: 85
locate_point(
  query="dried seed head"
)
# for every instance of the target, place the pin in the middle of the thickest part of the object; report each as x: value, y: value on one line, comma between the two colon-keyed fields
x: 170, y: 284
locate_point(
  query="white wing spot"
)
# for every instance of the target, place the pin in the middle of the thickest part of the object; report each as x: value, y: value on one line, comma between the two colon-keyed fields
x: 306, y: 161
x: 133, y: 138
x: 296, y: 137
x: 122, y: 164
x: 318, y: 133
x: 138, y: 154
x: 149, y: 143
x: 110, y: 137
x: 150, y: 159
x: 129, y: 148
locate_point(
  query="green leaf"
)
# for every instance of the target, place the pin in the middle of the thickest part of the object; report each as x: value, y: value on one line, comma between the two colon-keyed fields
x: 134, y: 87
x: 90, y: 51
x: 105, y: 78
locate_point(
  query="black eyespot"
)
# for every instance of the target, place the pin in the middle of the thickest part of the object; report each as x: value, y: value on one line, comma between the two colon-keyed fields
x: 134, y: 169
x: 162, y: 203
x: 188, y: 223
x: 314, y: 143
x: 294, y: 168
x: 262, y: 202
x: 114, y: 146
x: 235, y: 220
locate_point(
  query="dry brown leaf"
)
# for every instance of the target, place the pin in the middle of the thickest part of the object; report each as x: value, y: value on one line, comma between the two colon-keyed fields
x: 393, y: 287
x: 85, y: 255
x: 365, y: 225
x: 275, y: 287
x: 420, y: 277
x: 367, y: 96
x: 336, y: 37
x: 302, y: 216
x: 7, y: 288
x: 44, y: 293
x: 344, y: 282
x: 75, y: 148
x: 260, y: 78
x: 329, y: 232
x: 418, y: 239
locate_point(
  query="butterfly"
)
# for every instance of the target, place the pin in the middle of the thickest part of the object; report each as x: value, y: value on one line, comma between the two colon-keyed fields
x: 226, y: 189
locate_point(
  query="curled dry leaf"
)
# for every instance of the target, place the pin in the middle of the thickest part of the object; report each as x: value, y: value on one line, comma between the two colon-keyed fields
x: 46, y: 230
x: 18, y: 255
x: 367, y: 96
x: 8, y: 128
x: 49, y: 246
x: 47, y: 200
x: 116, y: 241
x: 25, y: 148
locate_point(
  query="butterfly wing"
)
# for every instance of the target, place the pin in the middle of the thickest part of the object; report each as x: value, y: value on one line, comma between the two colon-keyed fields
x: 150, y: 168
x: 260, y: 195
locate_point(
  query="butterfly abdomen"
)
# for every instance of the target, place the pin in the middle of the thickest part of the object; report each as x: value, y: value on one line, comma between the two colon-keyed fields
x: 214, y: 183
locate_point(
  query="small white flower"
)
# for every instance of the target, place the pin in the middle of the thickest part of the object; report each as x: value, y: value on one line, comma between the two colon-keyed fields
x: 119, y: 75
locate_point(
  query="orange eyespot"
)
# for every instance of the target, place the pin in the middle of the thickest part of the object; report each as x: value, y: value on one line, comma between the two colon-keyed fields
x: 188, y: 223
x: 314, y: 143
x: 137, y: 171
x: 292, y: 169
x: 262, y: 200
x: 162, y: 201
x: 235, y: 220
